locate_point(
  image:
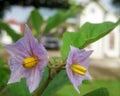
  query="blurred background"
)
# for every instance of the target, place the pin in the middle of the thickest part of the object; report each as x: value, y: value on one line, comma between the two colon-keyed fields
x: 49, y: 19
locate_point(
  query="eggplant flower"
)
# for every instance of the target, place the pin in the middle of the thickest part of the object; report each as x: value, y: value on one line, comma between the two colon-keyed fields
x: 77, y: 66
x: 28, y: 59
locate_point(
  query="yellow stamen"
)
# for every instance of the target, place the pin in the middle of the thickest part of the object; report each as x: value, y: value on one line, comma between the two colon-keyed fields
x: 81, y: 68
x: 78, y: 69
x: 30, y: 62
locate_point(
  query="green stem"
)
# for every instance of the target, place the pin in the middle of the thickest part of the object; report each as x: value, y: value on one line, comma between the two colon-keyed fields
x: 46, y: 83
x: 44, y: 86
x: 3, y: 90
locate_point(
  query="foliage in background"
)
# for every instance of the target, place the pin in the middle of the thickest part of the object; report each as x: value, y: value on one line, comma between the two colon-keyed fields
x: 36, y: 20
x: 98, y: 92
x: 4, y: 73
x: 52, y: 22
x: 112, y: 86
x: 60, y: 17
x: 9, y: 31
x: 86, y: 35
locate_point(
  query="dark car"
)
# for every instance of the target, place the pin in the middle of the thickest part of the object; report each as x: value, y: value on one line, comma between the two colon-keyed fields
x: 50, y: 42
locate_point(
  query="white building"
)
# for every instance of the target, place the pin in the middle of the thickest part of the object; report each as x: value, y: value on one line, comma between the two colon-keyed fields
x: 109, y: 46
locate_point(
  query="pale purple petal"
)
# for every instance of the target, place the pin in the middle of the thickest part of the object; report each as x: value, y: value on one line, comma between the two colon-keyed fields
x: 16, y: 75
x: 30, y: 41
x: 35, y: 48
x: 17, y: 49
x: 80, y: 57
x: 17, y: 70
x: 26, y: 47
x: 88, y: 76
x: 77, y: 80
x: 40, y: 52
x: 34, y: 78
x: 74, y: 78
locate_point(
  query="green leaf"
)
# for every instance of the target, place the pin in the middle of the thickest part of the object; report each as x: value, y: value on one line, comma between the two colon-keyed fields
x: 9, y: 31
x: 60, y: 17
x: 86, y: 35
x: 36, y: 20
x: 98, y: 92
x: 59, y: 81
x: 1, y: 62
x: 17, y: 89
x: 4, y: 74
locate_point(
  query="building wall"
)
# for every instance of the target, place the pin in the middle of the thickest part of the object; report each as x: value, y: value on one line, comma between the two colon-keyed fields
x: 109, y: 46
x: 112, y: 40
x: 92, y: 13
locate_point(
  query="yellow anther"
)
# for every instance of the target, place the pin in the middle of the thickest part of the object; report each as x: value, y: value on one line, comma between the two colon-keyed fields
x: 81, y: 68
x: 30, y: 62
x: 78, y: 69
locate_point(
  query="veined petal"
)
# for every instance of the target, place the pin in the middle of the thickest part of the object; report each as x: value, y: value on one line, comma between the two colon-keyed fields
x: 17, y: 49
x: 74, y: 79
x: 77, y: 80
x: 79, y: 57
x: 36, y: 49
x: 16, y: 75
x: 27, y: 47
x: 17, y: 70
x: 34, y: 78
x: 15, y: 63
x: 88, y: 76
x: 41, y: 53
x: 29, y: 40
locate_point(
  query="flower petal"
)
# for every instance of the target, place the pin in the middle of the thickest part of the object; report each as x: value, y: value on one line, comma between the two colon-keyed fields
x: 26, y: 47
x: 34, y: 78
x: 41, y: 53
x: 17, y: 71
x: 37, y: 49
x: 17, y: 49
x: 79, y: 57
x: 88, y: 76
x: 77, y: 80
x: 29, y: 40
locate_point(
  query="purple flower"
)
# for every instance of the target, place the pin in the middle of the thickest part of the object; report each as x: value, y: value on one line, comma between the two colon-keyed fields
x: 77, y: 66
x: 28, y: 59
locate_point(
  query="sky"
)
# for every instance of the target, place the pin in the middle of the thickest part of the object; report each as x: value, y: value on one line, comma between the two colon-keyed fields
x: 108, y: 4
x: 21, y: 14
